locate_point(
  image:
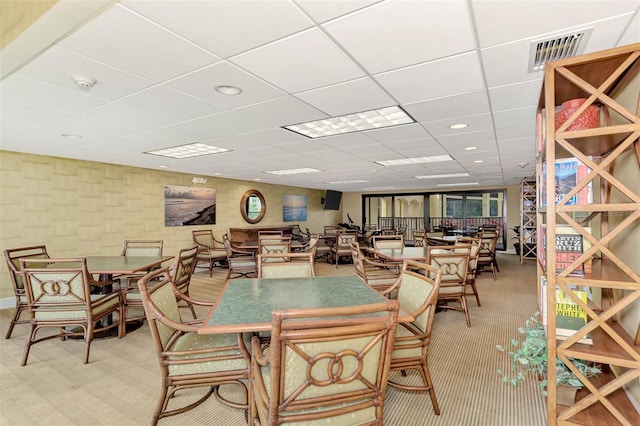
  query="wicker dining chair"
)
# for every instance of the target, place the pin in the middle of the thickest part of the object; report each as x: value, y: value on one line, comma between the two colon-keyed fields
x: 211, y: 252
x: 475, y: 244
x: 377, y: 275
x: 323, y: 368
x: 288, y: 265
x: 188, y: 359
x: 12, y: 257
x: 453, y: 262
x: 241, y: 263
x: 417, y: 293
x: 59, y: 297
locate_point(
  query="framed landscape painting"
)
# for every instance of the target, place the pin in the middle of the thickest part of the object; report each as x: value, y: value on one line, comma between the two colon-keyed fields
x: 187, y: 205
x: 294, y: 208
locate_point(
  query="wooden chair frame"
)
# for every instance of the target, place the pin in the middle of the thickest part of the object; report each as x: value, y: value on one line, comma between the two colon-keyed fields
x: 210, y: 250
x: 241, y: 263
x: 474, y: 243
x: 59, y: 296
x: 217, y: 359
x: 287, y: 265
x: 454, y: 263
x: 377, y: 275
x: 342, y: 248
x: 12, y: 257
x: 315, y: 340
x: 417, y: 293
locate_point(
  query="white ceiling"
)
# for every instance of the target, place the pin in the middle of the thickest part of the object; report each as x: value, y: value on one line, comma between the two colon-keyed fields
x: 157, y: 62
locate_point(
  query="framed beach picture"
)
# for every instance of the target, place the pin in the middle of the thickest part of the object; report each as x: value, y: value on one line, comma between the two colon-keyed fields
x: 188, y: 205
x: 294, y: 208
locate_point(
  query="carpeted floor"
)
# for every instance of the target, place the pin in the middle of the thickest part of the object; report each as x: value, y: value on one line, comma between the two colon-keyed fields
x: 121, y: 383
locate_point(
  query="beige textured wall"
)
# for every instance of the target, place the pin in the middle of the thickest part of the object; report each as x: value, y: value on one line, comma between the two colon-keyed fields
x: 85, y: 208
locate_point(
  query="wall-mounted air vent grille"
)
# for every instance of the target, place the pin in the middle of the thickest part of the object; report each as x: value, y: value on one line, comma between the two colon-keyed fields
x: 556, y: 48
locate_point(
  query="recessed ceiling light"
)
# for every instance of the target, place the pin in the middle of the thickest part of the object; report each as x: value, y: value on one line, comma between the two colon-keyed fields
x: 458, y: 126
x: 189, y: 150
x: 357, y: 122
x: 478, y: 161
x: 257, y: 179
x: 457, y: 184
x: 228, y: 90
x: 471, y: 148
x: 293, y: 171
x: 416, y: 160
x: 70, y: 136
x: 163, y: 166
x: 450, y: 175
x: 217, y: 174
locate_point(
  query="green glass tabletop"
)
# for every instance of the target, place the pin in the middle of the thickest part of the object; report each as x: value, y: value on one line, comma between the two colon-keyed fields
x: 246, y: 304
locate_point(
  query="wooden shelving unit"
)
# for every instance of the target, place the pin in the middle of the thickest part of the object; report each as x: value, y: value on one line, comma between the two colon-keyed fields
x: 528, y: 219
x: 609, y: 80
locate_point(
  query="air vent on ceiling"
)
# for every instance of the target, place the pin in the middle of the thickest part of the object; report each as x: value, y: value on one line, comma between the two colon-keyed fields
x: 561, y: 47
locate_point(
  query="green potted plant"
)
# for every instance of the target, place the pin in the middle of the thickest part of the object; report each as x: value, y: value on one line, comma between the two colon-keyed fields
x: 530, y: 355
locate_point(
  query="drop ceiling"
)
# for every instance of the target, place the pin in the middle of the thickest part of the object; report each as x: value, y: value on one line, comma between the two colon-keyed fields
x: 157, y: 62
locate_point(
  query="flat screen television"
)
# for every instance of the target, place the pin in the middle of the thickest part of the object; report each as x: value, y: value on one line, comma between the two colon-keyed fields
x: 332, y: 200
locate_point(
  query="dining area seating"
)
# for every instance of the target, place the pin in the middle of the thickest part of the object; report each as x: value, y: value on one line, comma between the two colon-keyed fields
x: 377, y: 275
x: 12, y: 257
x: 286, y: 265
x: 59, y: 297
x: 211, y: 251
x: 188, y: 359
x: 453, y: 262
x: 308, y: 375
x: 417, y: 293
x: 240, y: 263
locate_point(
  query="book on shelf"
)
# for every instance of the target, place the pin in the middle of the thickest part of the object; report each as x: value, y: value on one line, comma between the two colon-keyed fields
x: 568, y: 173
x: 543, y: 300
x: 570, y: 245
x: 571, y: 317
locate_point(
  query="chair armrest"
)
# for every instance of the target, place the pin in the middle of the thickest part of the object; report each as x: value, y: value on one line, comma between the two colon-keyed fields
x: 394, y: 286
x: 256, y: 352
x: 189, y: 300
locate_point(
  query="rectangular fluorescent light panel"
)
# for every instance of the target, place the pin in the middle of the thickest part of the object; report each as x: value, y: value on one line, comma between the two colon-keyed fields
x: 450, y: 175
x: 342, y: 182
x: 379, y: 188
x: 417, y: 160
x: 357, y: 122
x: 189, y: 150
x: 457, y: 184
x: 293, y: 171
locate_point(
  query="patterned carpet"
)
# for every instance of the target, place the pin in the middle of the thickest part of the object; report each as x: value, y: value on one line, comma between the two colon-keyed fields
x: 121, y: 383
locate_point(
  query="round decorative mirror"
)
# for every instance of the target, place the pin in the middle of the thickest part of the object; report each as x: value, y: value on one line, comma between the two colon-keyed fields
x: 253, y: 206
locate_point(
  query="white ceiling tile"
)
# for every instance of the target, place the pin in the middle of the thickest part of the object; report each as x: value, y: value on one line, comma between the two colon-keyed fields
x: 57, y: 65
x: 127, y: 41
x: 347, y: 98
x: 542, y: 16
x: 395, y: 34
x: 398, y: 133
x: 282, y: 112
x: 476, y: 123
x: 46, y: 96
x: 323, y: 10
x: 211, y: 23
x: 17, y: 118
x: 514, y: 96
x: 301, y: 62
x: 170, y: 103
x: 202, y: 84
x: 450, y: 76
x: 471, y: 103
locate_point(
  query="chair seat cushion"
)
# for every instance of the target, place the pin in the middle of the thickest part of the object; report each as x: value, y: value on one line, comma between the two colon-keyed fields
x: 356, y: 418
x: 451, y: 290
x: 193, y: 341
x: 77, y: 312
x: 406, y: 353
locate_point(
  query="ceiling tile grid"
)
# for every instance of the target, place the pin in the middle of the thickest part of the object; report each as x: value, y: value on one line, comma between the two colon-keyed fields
x: 157, y: 64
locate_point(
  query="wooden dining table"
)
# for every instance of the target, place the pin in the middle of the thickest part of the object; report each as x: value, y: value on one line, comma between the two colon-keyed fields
x: 245, y: 305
